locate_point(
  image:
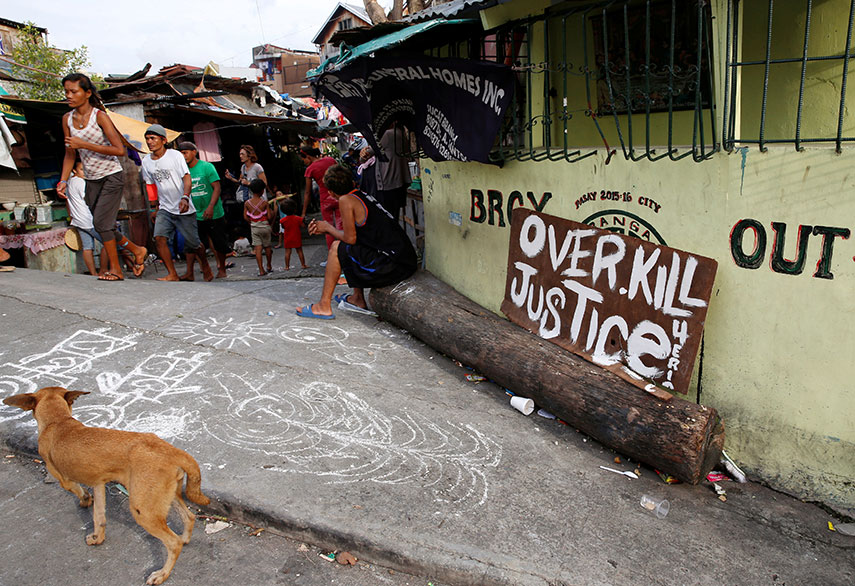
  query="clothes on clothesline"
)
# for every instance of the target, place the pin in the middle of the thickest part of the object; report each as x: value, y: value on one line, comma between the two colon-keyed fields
x: 207, y: 139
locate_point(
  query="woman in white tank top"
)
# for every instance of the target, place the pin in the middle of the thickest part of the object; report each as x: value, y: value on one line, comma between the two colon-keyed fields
x: 90, y: 134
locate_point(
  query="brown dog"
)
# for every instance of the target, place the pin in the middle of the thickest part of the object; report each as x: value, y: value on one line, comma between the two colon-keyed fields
x: 151, y: 469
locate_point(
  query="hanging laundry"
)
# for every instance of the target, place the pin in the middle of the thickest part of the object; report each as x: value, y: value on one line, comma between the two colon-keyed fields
x: 207, y: 139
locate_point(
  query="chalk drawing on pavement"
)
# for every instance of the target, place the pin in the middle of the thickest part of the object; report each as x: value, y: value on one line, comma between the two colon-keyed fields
x: 321, y: 429
x: 152, y: 397
x: 224, y: 334
x: 312, y: 428
x: 62, y: 365
x: 333, y: 341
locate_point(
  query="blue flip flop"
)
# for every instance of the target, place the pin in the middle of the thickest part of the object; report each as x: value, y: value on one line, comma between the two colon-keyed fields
x: 307, y: 312
x: 341, y: 297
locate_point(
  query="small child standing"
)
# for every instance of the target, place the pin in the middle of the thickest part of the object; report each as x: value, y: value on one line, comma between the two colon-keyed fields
x: 257, y: 212
x: 81, y: 216
x: 292, y: 237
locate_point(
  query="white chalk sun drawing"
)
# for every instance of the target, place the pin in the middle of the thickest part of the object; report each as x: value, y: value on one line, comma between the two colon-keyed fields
x: 225, y: 333
x: 320, y: 429
x: 334, y: 342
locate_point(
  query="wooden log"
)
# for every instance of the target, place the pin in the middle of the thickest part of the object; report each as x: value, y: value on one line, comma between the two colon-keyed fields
x: 674, y: 436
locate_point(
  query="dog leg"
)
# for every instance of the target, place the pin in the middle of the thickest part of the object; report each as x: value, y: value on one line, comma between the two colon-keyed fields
x: 72, y: 487
x: 99, y: 516
x: 150, y: 513
x: 158, y: 528
x: 188, y: 518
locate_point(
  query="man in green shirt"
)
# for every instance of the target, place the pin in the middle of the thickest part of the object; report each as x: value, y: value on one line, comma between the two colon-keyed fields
x: 210, y: 217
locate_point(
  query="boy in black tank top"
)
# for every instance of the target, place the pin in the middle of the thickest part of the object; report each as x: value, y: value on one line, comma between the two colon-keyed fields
x: 372, y: 250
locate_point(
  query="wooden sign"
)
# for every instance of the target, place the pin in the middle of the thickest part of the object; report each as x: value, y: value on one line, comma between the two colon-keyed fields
x: 623, y: 303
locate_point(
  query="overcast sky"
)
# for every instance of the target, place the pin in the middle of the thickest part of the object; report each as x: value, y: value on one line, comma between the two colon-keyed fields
x: 122, y: 37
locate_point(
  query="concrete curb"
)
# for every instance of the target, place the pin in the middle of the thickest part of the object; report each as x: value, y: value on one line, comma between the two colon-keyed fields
x: 465, y: 570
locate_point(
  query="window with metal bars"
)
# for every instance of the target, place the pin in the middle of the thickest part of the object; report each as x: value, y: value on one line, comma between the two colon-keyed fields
x: 629, y: 74
x: 787, y: 73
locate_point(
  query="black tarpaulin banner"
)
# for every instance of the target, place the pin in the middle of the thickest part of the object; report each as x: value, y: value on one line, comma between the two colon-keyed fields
x: 455, y: 106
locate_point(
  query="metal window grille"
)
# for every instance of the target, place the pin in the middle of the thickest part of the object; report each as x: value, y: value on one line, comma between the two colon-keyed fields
x: 777, y: 51
x: 633, y: 74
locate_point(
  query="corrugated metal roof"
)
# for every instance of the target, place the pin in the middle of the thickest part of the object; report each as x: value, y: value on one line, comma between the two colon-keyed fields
x: 302, y: 126
x: 349, y: 54
x: 449, y: 9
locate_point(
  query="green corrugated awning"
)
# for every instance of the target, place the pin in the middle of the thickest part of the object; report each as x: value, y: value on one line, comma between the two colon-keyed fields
x: 349, y: 54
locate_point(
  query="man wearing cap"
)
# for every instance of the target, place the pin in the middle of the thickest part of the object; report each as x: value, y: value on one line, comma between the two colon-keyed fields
x: 210, y: 216
x: 168, y: 178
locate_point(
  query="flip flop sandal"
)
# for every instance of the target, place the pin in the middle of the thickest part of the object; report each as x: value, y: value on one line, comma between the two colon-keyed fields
x: 110, y: 277
x: 307, y: 312
x: 341, y: 297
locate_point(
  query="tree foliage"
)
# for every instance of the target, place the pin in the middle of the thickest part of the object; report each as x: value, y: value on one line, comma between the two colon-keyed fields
x: 44, y: 66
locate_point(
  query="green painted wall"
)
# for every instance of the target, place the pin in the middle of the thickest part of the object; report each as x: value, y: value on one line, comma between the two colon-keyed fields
x: 823, y: 79
x: 778, y: 354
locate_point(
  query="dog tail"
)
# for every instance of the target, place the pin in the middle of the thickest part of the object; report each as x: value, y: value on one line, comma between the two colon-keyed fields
x: 193, y: 490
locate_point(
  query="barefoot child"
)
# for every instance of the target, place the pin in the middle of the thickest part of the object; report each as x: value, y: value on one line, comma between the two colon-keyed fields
x: 292, y: 237
x: 258, y: 214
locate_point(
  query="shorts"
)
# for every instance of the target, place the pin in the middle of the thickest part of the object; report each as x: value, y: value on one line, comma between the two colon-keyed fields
x: 166, y: 224
x: 87, y: 238
x: 104, y: 198
x: 260, y: 234
x: 366, y: 267
x: 216, y: 231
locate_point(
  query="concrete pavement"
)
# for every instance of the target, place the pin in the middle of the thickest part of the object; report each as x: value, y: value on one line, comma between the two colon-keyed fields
x: 351, y: 434
x: 51, y: 550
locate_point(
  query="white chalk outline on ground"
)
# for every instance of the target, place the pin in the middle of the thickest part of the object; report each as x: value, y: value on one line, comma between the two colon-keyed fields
x: 332, y: 341
x: 321, y: 429
x: 315, y: 428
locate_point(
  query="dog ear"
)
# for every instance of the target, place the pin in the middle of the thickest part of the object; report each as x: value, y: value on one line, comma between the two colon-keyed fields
x: 70, y: 396
x: 25, y: 401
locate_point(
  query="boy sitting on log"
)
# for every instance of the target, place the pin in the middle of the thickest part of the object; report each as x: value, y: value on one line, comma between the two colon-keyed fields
x: 372, y: 249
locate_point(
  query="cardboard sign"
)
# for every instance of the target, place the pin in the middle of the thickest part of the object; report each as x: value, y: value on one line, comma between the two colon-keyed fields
x: 623, y: 303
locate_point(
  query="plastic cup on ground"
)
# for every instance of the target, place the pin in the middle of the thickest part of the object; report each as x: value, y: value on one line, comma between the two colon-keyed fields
x: 522, y: 404
x: 657, y: 506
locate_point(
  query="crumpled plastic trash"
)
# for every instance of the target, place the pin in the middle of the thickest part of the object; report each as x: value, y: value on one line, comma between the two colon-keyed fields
x: 737, y: 474
x: 215, y: 527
